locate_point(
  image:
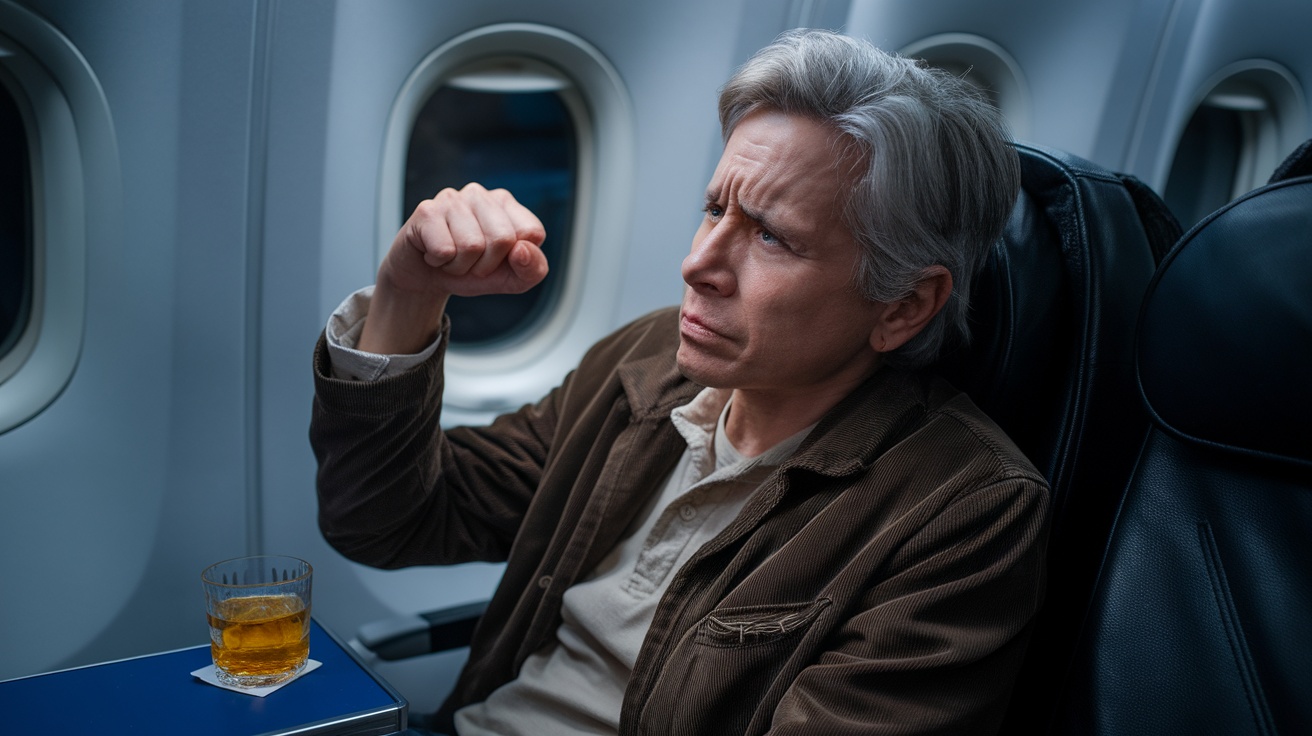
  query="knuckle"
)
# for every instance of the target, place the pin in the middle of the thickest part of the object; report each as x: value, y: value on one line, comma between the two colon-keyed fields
x: 425, y: 209
x: 500, y: 237
x: 473, y: 250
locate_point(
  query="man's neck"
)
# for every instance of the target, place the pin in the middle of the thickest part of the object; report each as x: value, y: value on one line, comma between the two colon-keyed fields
x: 758, y: 421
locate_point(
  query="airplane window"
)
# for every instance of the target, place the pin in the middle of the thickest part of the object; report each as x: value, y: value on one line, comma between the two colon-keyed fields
x: 501, y: 123
x: 984, y: 64
x: 1240, y: 131
x: 542, y: 113
x: 968, y: 72
x: 58, y: 189
x: 1206, y: 164
x: 15, y: 216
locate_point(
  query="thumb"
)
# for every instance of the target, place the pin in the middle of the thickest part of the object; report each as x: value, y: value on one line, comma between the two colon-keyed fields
x: 528, y: 263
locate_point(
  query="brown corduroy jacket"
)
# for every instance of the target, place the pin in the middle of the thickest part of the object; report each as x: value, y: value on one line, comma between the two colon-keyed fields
x: 880, y: 581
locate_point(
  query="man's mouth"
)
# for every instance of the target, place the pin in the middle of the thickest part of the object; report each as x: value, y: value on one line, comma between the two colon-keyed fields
x: 695, y: 327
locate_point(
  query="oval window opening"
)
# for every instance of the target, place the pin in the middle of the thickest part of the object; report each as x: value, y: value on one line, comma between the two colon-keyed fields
x: 1206, y: 169
x: 1250, y: 118
x: 15, y: 224
x: 986, y: 66
x: 504, y: 123
x: 969, y: 73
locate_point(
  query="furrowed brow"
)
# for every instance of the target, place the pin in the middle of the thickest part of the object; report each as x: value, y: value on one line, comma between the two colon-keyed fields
x: 763, y: 219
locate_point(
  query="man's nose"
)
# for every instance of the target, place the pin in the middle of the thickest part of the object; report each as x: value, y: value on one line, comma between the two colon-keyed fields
x: 708, y: 267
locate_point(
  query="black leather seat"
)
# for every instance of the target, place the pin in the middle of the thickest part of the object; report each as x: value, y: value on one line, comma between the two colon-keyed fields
x: 1202, y: 615
x: 1051, y: 363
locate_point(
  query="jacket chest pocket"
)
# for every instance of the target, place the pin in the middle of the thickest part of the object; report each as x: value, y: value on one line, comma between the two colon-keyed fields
x: 736, y: 662
x: 752, y: 626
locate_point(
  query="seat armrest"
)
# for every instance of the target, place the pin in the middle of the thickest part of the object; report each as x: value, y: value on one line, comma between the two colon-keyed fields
x: 412, y: 636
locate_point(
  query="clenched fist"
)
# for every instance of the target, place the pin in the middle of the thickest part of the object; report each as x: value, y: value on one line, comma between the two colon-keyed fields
x: 463, y: 243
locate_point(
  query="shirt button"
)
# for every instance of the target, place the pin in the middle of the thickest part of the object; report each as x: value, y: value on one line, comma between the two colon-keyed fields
x: 688, y: 512
x: 544, y: 582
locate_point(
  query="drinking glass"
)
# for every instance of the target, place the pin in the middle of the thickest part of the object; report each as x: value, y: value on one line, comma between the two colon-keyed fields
x: 259, y: 617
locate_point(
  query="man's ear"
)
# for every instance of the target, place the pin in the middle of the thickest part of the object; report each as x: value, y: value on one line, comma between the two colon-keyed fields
x: 903, y: 319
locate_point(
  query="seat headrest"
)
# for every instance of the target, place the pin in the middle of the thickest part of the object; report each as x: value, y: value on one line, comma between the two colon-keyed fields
x: 1072, y: 263
x: 1224, y: 345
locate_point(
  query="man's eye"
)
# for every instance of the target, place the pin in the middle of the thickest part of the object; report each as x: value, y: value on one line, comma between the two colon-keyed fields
x: 714, y: 211
x: 773, y: 240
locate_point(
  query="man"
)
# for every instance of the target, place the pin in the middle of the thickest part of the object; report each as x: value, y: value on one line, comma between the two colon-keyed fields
x: 754, y: 513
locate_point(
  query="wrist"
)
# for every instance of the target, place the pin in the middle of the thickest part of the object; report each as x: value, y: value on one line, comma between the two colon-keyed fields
x: 401, y: 322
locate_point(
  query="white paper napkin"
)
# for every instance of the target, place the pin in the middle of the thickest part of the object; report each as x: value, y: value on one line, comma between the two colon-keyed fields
x: 206, y: 674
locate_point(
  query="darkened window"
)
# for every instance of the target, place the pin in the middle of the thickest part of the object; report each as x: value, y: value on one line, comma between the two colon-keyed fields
x: 15, y: 224
x: 986, y: 66
x: 500, y: 130
x: 1206, y: 165
x: 969, y: 73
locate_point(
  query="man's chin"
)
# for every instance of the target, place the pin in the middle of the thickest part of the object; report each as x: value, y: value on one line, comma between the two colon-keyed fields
x: 695, y: 369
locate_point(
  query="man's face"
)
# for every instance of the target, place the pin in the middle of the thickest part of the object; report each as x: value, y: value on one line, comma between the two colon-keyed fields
x: 770, y: 304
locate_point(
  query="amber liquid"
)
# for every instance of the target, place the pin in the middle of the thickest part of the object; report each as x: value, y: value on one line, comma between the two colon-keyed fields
x: 260, y: 640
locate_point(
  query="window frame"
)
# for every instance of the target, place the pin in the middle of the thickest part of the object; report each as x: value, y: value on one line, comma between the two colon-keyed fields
x: 988, y: 61
x: 575, y: 110
x: 484, y: 380
x: 75, y: 196
x: 1267, y: 134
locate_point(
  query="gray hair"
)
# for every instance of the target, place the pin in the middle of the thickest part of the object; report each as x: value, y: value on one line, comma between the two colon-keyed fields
x: 940, y: 175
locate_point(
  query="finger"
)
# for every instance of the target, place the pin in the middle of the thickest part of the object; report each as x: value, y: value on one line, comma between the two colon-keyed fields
x: 526, y: 225
x: 498, y: 233
x: 466, y: 233
x: 426, y: 232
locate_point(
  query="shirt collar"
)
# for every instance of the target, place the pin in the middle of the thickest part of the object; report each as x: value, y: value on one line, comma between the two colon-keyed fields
x: 701, y: 423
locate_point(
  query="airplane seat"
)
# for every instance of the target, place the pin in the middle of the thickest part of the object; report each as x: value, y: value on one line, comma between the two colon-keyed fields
x: 1201, y: 621
x: 1053, y: 316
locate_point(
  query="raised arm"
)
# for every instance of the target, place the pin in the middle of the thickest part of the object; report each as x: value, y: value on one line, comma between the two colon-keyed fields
x: 463, y: 243
x: 394, y: 490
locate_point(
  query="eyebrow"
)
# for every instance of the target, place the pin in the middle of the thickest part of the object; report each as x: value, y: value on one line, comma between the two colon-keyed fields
x: 789, y: 237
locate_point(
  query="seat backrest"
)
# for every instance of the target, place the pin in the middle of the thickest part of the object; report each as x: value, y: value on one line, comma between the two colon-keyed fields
x: 1201, y: 620
x: 1051, y: 362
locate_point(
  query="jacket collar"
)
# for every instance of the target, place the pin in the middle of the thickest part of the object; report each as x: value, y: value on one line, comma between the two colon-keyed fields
x: 655, y: 387
x: 863, y: 425
x: 848, y: 439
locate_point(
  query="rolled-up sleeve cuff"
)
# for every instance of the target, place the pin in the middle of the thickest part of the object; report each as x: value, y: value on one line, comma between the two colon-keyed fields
x: 343, y: 333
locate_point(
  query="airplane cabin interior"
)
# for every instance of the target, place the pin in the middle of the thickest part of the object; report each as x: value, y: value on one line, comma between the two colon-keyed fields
x: 189, y: 189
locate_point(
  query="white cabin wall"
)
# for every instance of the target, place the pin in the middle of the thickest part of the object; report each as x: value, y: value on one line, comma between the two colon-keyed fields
x: 1085, y: 65
x: 118, y: 493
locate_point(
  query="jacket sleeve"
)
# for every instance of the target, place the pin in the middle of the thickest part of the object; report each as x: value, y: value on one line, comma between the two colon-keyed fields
x: 396, y: 490
x: 934, y: 646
